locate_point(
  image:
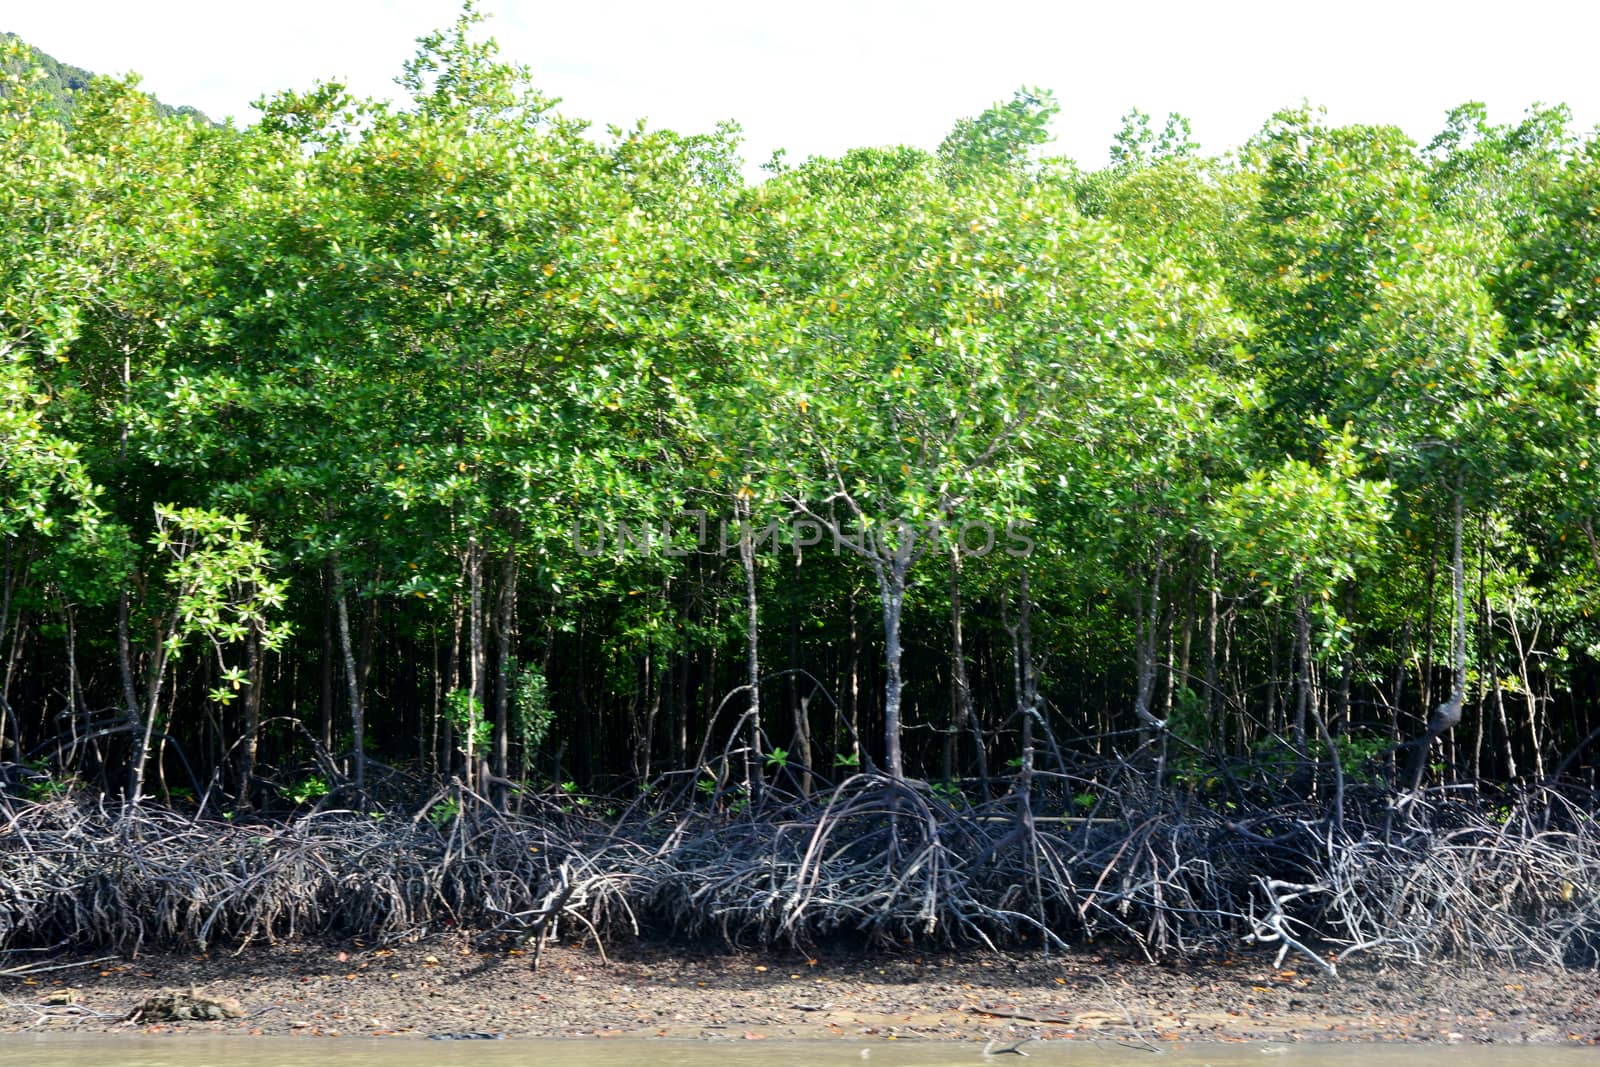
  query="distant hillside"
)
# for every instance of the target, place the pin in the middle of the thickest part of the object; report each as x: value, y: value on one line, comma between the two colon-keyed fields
x: 65, y: 82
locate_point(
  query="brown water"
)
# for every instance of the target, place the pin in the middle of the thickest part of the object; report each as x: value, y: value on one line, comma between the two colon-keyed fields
x: 44, y: 1050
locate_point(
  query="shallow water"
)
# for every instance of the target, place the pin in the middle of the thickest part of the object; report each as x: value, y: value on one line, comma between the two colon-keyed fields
x: 138, y: 1050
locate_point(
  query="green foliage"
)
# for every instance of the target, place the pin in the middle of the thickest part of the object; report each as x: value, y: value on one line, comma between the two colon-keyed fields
x: 444, y: 812
x: 1187, y: 722
x: 1302, y: 531
x: 385, y: 358
x: 1358, y: 755
x: 1003, y: 136
x: 531, y: 712
x: 219, y: 575
x: 1137, y: 145
x: 465, y: 713
x: 62, y: 84
x: 312, y: 787
x: 44, y: 486
x: 569, y: 789
x: 41, y: 787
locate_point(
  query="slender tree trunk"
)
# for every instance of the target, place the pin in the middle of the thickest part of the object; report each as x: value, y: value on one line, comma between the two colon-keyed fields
x: 1524, y: 651
x: 1213, y: 689
x: 1483, y: 649
x: 1339, y: 723
x: 1448, y: 714
x: 130, y: 696
x: 368, y: 630
x: 1391, y: 767
x: 141, y: 752
x: 1500, y: 711
x: 443, y: 723
x: 799, y: 707
x: 428, y: 728
x: 1594, y: 543
x: 653, y: 687
x: 1500, y: 696
x: 680, y: 710
x: 963, y: 713
x: 1425, y: 682
x: 505, y: 626
x: 1145, y: 650
x: 74, y: 697
x: 1305, y: 692
x: 475, y: 658
x: 853, y: 686
x: 1029, y: 706
x: 752, y: 650
x: 1175, y: 663
x: 358, y: 721
x: 325, y: 705
x: 255, y: 677
x: 1274, y: 675
x: 804, y: 749
x: 960, y: 695
x: 19, y: 634
x: 6, y: 588
x: 1180, y: 677
x: 892, y: 591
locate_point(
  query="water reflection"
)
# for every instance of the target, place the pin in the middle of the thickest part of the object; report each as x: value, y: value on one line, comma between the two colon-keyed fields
x: 47, y: 1050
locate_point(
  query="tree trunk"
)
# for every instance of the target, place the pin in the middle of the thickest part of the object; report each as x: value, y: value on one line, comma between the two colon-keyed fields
x: 752, y: 656
x: 141, y: 751
x: 1212, y: 684
x: 475, y: 658
x: 892, y: 591
x: 1029, y: 696
x: 255, y: 677
x: 799, y: 707
x: 358, y: 722
x: 1180, y: 677
x: 652, y: 699
x: 1339, y: 719
x: 74, y: 695
x: 130, y: 696
x: 505, y: 624
x: 325, y: 705
x: 1524, y: 651
x: 1305, y: 693
x: 1448, y: 714
x: 1148, y: 622
x: 960, y: 695
x: 6, y: 587
x: 19, y: 634
x: 853, y: 680
x: 367, y: 631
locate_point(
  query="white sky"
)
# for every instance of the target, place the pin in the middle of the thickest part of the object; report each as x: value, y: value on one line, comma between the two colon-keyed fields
x: 821, y: 76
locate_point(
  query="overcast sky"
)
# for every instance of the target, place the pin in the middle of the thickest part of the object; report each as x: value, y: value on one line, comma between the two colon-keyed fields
x: 821, y: 76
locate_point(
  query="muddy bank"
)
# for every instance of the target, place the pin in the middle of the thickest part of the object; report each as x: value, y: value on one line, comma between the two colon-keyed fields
x: 447, y: 989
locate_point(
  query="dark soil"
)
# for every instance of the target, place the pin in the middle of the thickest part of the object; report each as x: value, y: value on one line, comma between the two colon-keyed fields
x: 448, y: 989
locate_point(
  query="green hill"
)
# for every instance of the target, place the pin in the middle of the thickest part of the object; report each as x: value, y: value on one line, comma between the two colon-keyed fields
x: 65, y: 82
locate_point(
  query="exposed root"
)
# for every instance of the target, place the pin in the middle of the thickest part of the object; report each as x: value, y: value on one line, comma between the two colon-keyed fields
x: 889, y: 861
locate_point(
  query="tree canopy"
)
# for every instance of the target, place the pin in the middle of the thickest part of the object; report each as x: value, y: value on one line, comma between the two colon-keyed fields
x: 452, y: 437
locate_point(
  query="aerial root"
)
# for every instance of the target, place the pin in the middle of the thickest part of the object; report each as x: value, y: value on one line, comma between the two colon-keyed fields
x: 891, y: 861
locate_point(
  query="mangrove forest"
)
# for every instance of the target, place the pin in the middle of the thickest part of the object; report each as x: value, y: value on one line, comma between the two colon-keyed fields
x: 441, y: 512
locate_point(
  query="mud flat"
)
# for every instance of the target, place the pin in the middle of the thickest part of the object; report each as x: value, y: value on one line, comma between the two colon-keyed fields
x: 447, y: 990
